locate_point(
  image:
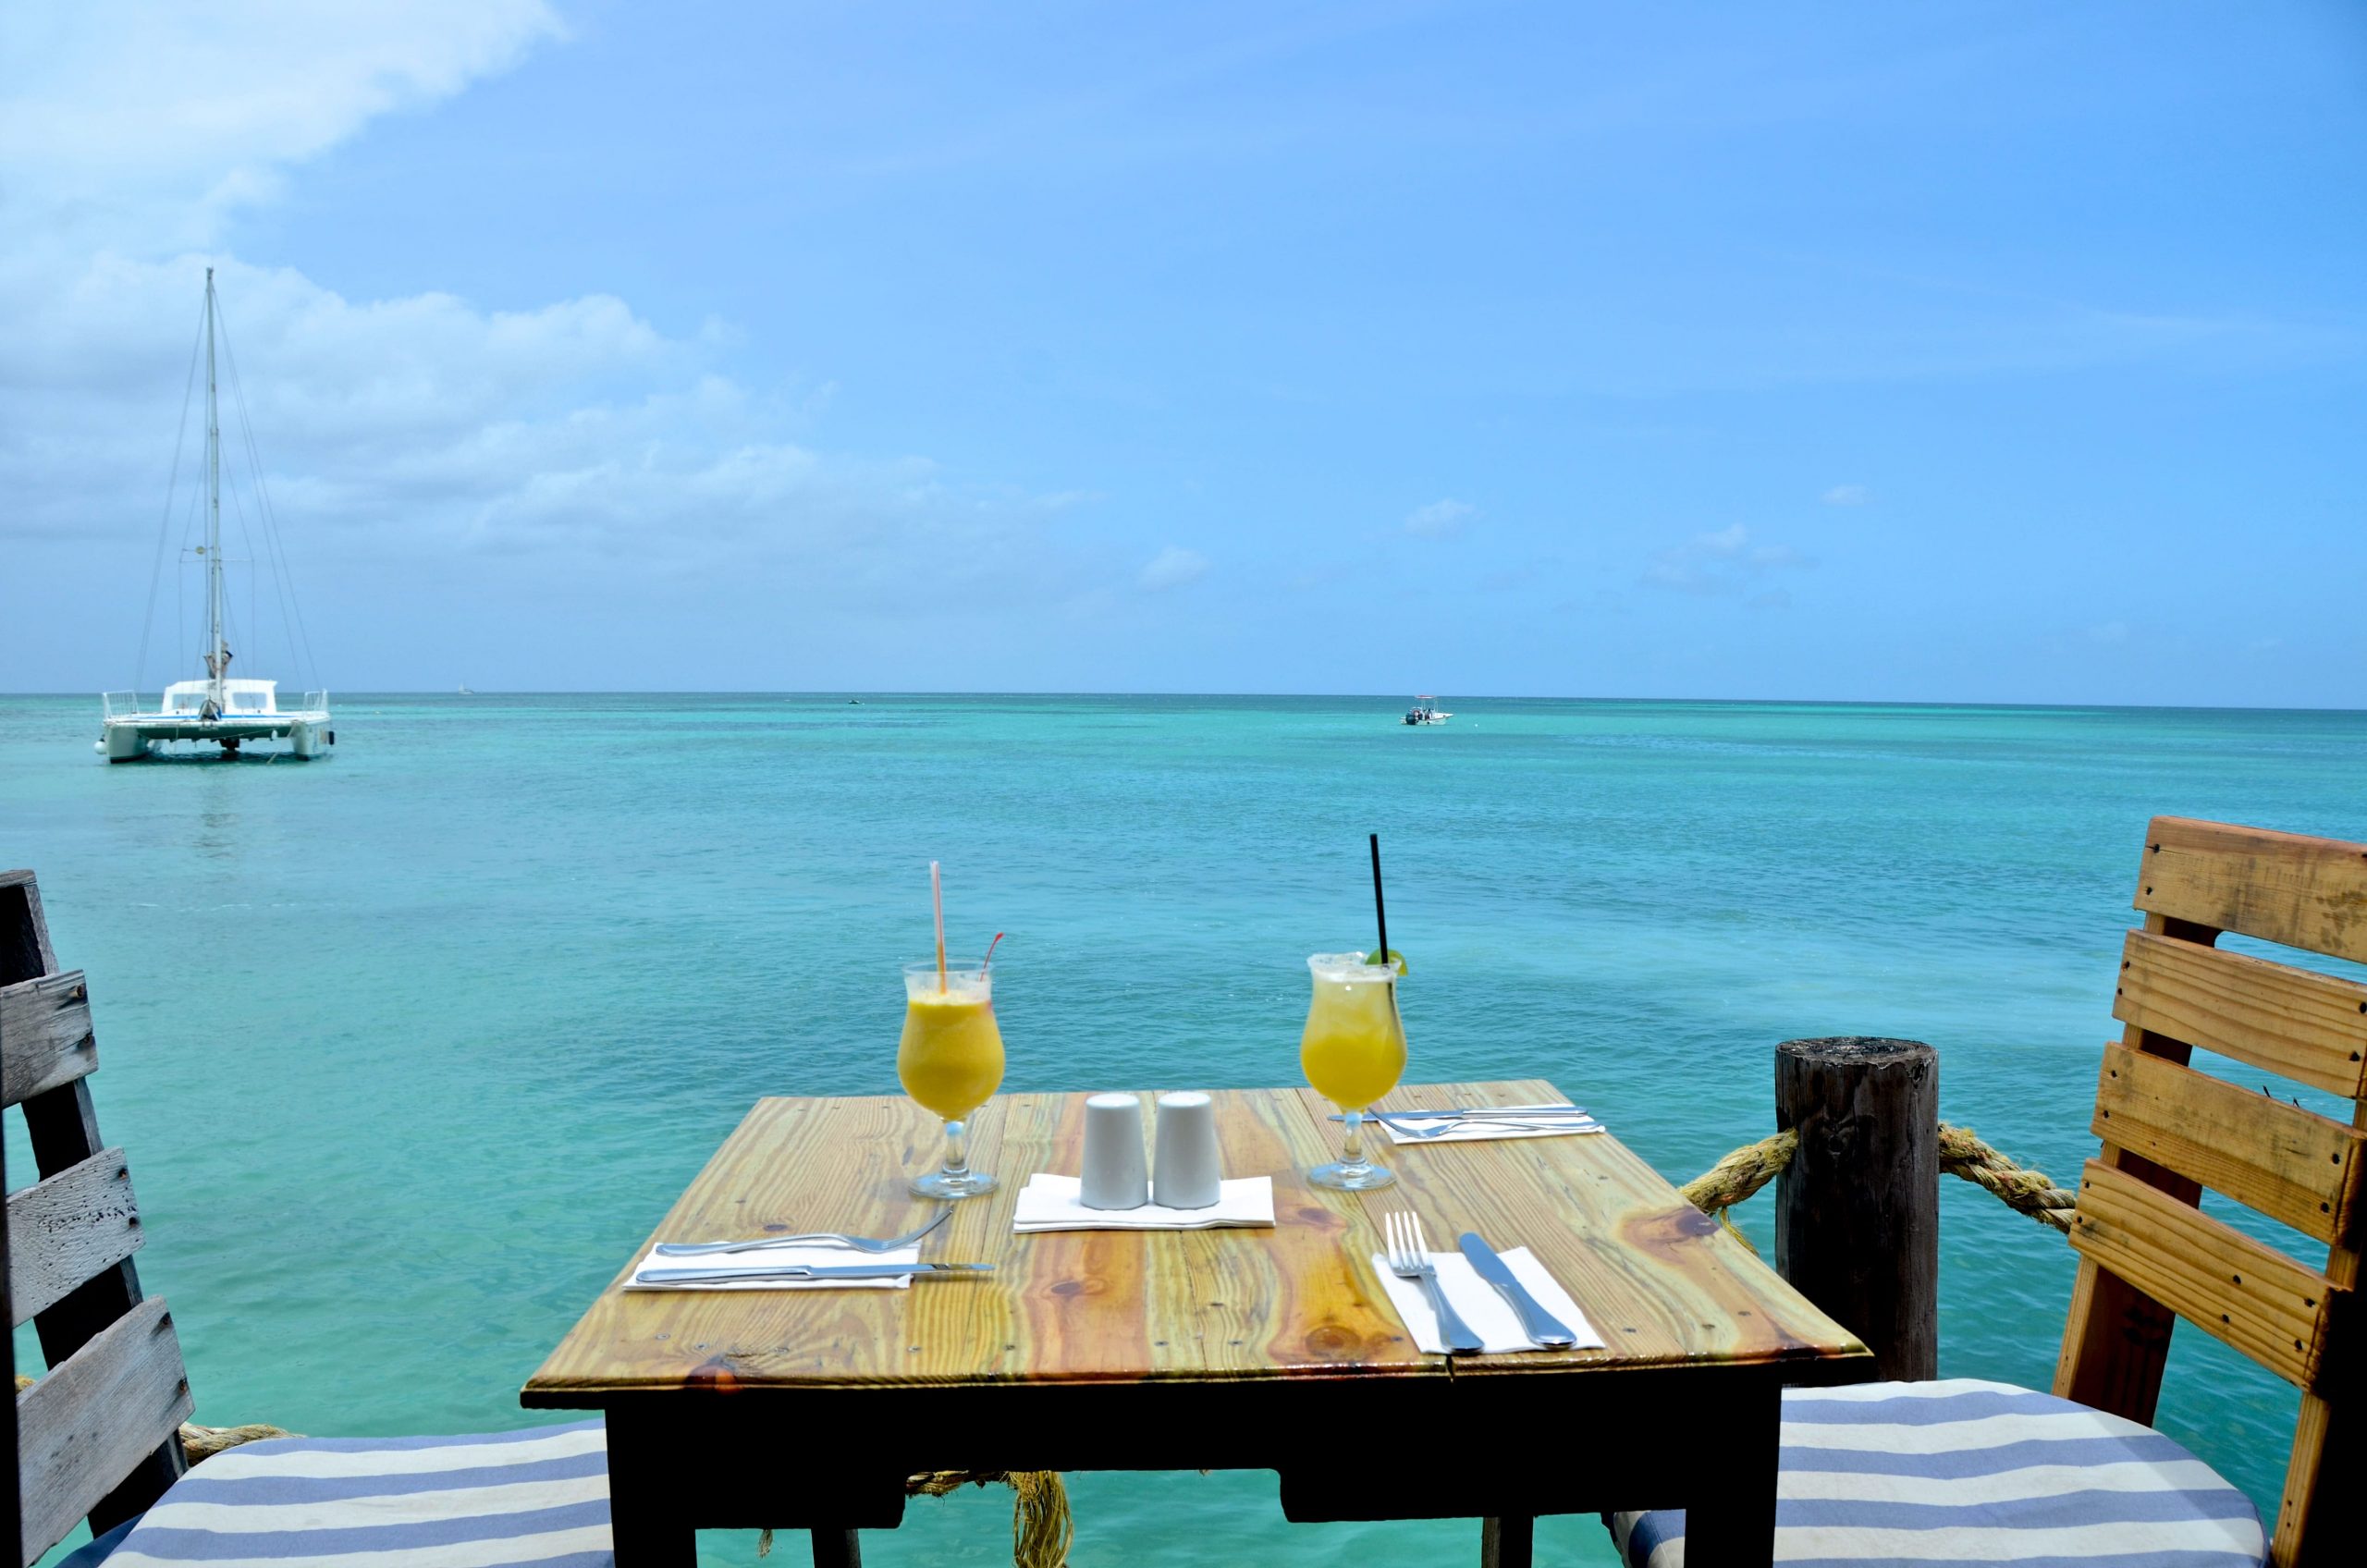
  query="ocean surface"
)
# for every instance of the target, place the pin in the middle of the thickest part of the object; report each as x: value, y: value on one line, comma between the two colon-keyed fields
x: 409, y: 1048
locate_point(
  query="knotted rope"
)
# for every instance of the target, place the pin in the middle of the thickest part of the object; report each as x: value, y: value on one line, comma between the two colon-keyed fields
x: 1962, y: 1153
x: 1042, y: 1527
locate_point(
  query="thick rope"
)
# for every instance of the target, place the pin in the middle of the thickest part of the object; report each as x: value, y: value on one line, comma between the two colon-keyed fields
x: 1042, y: 1527
x: 205, y: 1442
x: 1741, y: 1173
x: 1962, y: 1153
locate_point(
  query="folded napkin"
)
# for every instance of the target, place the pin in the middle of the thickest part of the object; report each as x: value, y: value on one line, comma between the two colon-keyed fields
x: 760, y: 1258
x: 1056, y: 1203
x: 1482, y: 1306
x: 1489, y: 1127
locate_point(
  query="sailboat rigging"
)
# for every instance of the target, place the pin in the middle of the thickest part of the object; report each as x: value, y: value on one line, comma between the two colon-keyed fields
x: 221, y: 710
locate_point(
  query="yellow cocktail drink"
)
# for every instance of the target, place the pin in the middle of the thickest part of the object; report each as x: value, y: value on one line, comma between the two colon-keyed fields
x: 951, y: 1057
x: 1353, y: 1051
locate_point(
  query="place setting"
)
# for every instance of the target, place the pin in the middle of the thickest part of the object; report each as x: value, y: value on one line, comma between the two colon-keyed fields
x: 1475, y: 1300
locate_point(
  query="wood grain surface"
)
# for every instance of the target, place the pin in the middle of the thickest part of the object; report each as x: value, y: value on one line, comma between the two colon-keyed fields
x: 2286, y: 888
x: 65, y: 1229
x: 2308, y: 1026
x: 1660, y: 1281
x: 2233, y: 1288
x: 2270, y: 1154
x: 89, y: 1421
x: 46, y: 1022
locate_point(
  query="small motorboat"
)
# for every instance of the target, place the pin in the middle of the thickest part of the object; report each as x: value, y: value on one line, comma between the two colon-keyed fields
x: 1426, y: 711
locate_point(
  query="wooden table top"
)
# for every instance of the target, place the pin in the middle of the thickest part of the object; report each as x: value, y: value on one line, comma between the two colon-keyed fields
x: 1659, y: 1281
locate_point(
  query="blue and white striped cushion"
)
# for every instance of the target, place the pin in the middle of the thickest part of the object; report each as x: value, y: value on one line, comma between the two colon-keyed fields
x: 504, y: 1499
x: 1961, y: 1472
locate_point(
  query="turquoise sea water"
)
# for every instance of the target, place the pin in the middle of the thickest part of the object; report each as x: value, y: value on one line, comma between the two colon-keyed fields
x: 408, y: 1049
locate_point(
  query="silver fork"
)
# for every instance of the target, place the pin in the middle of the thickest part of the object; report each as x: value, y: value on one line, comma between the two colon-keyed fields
x: 1409, y: 1258
x: 811, y: 1239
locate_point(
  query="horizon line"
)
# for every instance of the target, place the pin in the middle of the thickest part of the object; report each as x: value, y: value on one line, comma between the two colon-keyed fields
x: 1324, y: 696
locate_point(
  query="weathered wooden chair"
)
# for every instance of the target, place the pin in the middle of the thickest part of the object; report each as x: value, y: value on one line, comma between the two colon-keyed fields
x: 1962, y: 1471
x: 98, y: 1435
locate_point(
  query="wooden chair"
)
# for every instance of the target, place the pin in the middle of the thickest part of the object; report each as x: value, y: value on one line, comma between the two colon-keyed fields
x: 2148, y: 1256
x: 98, y: 1435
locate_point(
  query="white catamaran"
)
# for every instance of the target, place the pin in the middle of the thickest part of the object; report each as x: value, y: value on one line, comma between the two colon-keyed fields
x: 220, y: 710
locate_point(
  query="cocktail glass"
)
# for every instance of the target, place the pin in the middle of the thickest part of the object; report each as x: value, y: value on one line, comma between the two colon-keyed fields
x: 951, y: 1060
x: 1353, y: 1052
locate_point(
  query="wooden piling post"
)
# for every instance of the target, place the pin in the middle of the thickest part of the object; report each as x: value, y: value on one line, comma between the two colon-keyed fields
x: 1858, y: 1212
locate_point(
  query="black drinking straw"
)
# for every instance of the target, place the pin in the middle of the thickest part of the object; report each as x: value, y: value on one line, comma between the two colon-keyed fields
x: 1379, y: 912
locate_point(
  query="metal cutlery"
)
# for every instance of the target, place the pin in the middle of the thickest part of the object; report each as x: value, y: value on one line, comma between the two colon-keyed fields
x: 1501, y: 1124
x: 1409, y: 1258
x: 1540, y: 1325
x: 810, y: 1239
x: 803, y: 1271
x: 1476, y: 1113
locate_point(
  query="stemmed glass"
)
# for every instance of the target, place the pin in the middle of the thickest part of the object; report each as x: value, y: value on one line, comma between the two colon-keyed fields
x: 1353, y: 1052
x: 951, y: 1060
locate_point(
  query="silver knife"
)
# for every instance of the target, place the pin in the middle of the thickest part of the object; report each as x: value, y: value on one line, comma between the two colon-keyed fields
x: 803, y: 1271
x: 1474, y: 1112
x: 1541, y: 1326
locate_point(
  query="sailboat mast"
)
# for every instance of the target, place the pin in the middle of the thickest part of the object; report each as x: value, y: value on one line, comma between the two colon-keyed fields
x: 217, y: 656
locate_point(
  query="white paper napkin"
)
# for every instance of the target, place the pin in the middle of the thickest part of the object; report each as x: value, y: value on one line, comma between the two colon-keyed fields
x: 1482, y: 1306
x: 1485, y: 1128
x: 1057, y: 1203
x: 758, y: 1258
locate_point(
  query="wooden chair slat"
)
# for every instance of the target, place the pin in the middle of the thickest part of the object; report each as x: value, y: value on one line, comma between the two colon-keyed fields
x: 2304, y: 1025
x: 2286, y: 888
x: 46, y: 1025
x: 24, y: 932
x: 92, y: 1419
x: 68, y: 1229
x: 2230, y: 1286
x: 2293, y: 1164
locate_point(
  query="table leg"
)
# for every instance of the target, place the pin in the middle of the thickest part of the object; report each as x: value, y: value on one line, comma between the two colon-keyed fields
x: 1731, y: 1523
x: 1507, y: 1542
x: 836, y: 1549
x: 650, y: 1526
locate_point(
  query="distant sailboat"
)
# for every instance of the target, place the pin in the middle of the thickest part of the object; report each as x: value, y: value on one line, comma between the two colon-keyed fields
x: 464, y: 689
x: 226, y: 712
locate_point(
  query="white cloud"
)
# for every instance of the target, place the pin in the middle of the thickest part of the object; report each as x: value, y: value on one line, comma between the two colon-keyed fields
x: 1440, y: 519
x: 415, y: 429
x: 116, y: 115
x: 1847, y: 496
x: 1724, y: 561
x: 1173, y: 568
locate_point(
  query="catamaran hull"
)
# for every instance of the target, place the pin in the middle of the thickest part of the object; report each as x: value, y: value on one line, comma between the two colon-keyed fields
x: 128, y: 739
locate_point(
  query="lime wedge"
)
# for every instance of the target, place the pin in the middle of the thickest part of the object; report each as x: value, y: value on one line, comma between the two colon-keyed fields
x: 1395, y: 960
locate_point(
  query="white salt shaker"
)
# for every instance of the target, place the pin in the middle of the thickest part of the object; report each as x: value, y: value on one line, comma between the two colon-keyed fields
x: 1185, y: 1168
x: 1113, y: 1176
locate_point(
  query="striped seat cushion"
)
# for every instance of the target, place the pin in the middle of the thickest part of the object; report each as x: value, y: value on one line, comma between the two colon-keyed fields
x: 1962, y: 1472
x: 538, y: 1496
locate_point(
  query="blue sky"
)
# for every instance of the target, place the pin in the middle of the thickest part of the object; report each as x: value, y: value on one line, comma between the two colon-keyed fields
x: 1981, y: 352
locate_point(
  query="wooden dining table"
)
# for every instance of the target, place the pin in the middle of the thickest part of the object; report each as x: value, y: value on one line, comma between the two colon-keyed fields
x: 1259, y: 1349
